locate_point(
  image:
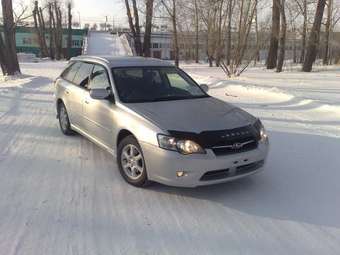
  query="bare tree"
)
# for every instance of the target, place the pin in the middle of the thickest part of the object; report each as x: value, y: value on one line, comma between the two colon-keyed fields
x: 8, y: 56
x: 39, y: 24
x: 58, y: 30
x: 148, y: 26
x: 246, y: 11
x: 170, y: 7
x: 209, y: 15
x: 230, y: 16
x: 134, y: 24
x: 282, y: 41
x: 302, y: 7
x: 314, y: 37
x: 275, y: 33
x: 51, y: 30
x: 220, y: 26
x: 69, y: 30
x: 196, y: 31
x: 328, y: 31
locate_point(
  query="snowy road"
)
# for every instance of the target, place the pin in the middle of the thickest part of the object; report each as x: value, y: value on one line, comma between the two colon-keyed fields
x: 103, y: 43
x: 64, y: 195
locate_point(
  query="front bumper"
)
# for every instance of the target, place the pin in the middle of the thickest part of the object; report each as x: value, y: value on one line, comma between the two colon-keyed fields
x: 162, y: 166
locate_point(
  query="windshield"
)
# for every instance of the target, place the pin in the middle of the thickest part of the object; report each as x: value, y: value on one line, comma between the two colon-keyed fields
x: 152, y: 84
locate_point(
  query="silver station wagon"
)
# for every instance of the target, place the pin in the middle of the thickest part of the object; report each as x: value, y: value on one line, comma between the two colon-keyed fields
x: 158, y: 122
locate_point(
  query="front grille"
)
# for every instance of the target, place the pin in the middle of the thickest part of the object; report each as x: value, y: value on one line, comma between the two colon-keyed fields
x: 226, y: 173
x: 223, y: 142
x: 236, y: 146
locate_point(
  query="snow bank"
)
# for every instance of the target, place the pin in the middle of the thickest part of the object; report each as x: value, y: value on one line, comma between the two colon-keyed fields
x: 27, y: 57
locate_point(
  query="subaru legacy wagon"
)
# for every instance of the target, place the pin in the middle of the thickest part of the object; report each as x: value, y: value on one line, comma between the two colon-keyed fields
x: 158, y: 122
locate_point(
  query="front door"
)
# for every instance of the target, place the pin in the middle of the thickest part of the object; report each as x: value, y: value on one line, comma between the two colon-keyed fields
x: 98, y: 114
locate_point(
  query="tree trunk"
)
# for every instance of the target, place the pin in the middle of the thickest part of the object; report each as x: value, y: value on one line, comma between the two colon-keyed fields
x: 39, y: 25
x: 304, y: 32
x: 148, y: 26
x: 314, y: 38
x: 174, y: 27
x: 196, y: 33
x: 230, y: 13
x: 134, y: 27
x: 69, y: 31
x: 11, y: 60
x: 275, y: 33
x: 257, y: 58
x: 58, y: 31
x: 282, y: 41
x: 3, y: 56
x: 219, y: 35
x: 294, y: 47
x: 328, y: 32
x: 42, y: 32
x: 51, y: 31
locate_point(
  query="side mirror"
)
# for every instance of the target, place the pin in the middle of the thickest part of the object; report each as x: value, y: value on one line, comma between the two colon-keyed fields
x: 100, y: 94
x: 204, y: 87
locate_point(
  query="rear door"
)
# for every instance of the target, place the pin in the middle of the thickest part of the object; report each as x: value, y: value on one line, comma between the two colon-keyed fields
x: 68, y: 91
x: 98, y: 114
x: 75, y: 92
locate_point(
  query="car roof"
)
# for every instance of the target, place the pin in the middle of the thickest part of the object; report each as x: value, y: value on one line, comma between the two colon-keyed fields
x: 123, y: 61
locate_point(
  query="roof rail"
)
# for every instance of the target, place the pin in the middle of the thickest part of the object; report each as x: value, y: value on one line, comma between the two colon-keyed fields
x: 93, y: 57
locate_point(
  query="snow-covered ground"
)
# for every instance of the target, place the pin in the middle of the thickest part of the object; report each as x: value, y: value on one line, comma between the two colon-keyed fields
x: 64, y: 195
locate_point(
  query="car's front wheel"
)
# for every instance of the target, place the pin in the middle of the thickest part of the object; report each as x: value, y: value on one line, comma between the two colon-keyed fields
x: 131, y: 162
x: 64, y: 121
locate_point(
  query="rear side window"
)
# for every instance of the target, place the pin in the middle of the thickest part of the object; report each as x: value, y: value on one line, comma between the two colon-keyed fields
x: 83, y: 74
x: 71, y: 71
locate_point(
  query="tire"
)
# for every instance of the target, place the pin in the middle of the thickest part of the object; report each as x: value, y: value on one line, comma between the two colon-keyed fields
x: 64, y: 121
x: 131, y: 162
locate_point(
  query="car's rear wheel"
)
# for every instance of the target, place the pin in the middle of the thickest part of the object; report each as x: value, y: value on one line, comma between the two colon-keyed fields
x: 131, y: 162
x: 64, y: 121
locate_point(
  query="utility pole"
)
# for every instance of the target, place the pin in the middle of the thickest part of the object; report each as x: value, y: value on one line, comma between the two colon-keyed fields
x: 105, y: 23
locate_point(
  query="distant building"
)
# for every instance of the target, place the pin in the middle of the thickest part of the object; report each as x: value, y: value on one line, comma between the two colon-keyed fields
x: 27, y: 40
x: 162, y: 45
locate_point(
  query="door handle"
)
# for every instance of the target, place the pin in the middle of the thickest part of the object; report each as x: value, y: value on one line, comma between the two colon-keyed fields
x: 67, y: 92
x: 86, y: 101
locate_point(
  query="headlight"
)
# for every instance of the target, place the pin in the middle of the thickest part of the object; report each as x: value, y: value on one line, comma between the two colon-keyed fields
x: 167, y: 142
x: 263, y: 134
x: 182, y: 146
x: 261, y: 131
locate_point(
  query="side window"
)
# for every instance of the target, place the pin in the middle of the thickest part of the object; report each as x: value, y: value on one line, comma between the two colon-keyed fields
x: 83, y: 74
x: 71, y: 71
x: 99, y: 78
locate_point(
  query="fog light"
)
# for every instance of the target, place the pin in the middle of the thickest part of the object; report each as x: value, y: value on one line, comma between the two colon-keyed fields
x: 180, y: 173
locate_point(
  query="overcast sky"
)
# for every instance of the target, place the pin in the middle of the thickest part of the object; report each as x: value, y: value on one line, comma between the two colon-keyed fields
x: 92, y: 11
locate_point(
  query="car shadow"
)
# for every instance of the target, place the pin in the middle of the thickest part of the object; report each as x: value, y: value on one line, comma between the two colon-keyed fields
x: 300, y: 183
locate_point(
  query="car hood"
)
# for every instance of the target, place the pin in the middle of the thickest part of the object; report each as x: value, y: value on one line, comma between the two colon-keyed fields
x: 193, y: 115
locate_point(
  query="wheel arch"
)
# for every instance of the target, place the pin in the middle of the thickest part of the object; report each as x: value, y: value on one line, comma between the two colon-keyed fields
x: 58, y: 103
x: 122, y: 134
